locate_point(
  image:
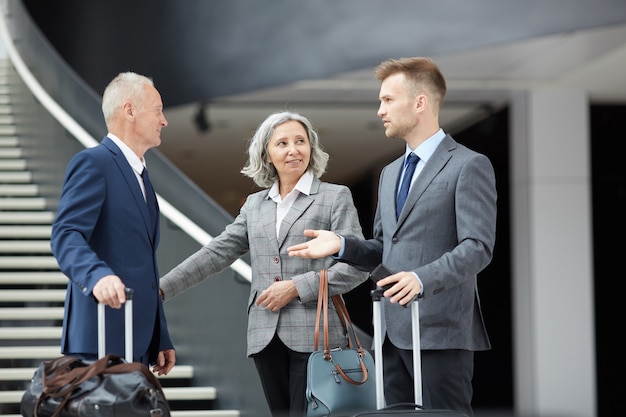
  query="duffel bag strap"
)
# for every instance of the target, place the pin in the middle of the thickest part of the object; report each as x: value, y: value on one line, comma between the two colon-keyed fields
x: 60, y: 379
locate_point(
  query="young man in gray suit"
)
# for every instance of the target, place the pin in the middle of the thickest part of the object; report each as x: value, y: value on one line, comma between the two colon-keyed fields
x: 436, y: 239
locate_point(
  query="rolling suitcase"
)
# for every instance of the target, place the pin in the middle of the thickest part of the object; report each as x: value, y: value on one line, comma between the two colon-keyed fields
x: 398, y: 410
x: 110, y: 386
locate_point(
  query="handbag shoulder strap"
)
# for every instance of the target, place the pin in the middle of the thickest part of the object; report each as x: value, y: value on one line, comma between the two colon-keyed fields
x: 320, y: 296
x: 342, y: 312
x: 322, y: 309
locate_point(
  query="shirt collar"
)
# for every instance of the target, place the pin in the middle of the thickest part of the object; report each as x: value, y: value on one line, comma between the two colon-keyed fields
x: 133, y: 160
x: 303, y: 186
x: 427, y: 148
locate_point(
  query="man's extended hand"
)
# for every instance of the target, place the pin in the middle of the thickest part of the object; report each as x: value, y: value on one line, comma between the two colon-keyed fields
x: 324, y: 243
x: 109, y: 290
x: 165, y: 362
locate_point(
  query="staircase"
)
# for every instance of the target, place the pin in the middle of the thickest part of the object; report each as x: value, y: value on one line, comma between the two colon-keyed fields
x: 32, y: 288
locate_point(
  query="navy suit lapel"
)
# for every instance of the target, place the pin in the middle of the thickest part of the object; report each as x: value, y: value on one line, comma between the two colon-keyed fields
x: 130, y: 179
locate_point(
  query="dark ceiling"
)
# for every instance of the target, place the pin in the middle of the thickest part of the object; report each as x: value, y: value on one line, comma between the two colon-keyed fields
x: 197, y: 50
x: 249, y: 58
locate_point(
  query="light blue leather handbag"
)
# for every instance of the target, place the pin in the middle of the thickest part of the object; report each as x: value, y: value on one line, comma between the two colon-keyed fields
x: 340, y: 382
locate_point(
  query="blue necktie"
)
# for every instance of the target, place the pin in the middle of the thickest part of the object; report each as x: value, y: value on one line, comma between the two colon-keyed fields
x: 411, y: 163
x: 150, y: 198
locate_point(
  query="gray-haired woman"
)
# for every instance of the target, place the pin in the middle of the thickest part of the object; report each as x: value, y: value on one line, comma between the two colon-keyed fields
x: 286, y: 159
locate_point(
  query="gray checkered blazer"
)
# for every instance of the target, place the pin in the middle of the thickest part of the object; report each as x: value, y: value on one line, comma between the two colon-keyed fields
x: 329, y: 207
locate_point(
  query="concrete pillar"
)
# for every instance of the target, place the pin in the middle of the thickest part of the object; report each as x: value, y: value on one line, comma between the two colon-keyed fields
x: 554, y: 348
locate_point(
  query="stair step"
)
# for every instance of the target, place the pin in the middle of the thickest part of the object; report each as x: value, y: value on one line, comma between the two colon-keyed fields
x: 205, y: 413
x: 12, y: 164
x: 10, y: 152
x: 32, y: 296
x: 31, y: 313
x: 171, y: 394
x: 7, y: 130
x: 179, y: 372
x: 30, y: 333
x: 24, y: 203
x: 25, y: 246
x: 19, y: 190
x: 28, y: 262
x: 46, y: 353
x: 30, y: 352
x: 190, y: 393
x: 26, y: 232
x: 33, y: 278
x: 26, y: 217
x: 15, y: 176
x: 9, y: 141
x: 25, y: 374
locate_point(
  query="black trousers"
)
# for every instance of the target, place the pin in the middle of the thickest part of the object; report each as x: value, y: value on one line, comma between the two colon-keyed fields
x: 446, y: 377
x: 283, y: 376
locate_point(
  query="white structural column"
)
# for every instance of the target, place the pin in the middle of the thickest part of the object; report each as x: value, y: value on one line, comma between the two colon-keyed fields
x: 554, y: 342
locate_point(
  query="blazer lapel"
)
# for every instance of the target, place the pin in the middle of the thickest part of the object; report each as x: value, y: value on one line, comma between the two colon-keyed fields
x: 388, y: 188
x: 299, y: 206
x: 434, y: 165
x: 268, y: 216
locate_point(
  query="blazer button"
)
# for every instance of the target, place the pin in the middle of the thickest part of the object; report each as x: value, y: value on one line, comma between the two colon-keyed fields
x: 276, y: 259
x: 394, y: 240
x: 154, y: 286
x: 276, y: 279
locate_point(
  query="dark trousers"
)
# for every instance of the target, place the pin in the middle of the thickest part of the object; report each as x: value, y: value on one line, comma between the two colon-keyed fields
x: 446, y: 377
x: 283, y: 377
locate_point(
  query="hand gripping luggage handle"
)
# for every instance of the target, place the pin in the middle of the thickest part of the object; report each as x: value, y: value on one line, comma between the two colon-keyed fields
x: 377, y: 294
x: 128, y: 327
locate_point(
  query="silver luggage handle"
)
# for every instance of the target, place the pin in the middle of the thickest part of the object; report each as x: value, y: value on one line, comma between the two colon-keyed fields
x: 377, y: 294
x: 128, y: 327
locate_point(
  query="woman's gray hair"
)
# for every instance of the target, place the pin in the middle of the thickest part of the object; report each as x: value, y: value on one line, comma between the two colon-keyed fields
x: 258, y: 167
x: 127, y: 86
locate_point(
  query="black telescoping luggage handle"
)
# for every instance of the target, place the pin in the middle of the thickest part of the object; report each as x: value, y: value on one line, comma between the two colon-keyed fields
x: 128, y: 327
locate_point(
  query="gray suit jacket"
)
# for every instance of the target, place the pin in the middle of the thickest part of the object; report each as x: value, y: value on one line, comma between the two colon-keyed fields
x: 329, y: 206
x: 446, y: 235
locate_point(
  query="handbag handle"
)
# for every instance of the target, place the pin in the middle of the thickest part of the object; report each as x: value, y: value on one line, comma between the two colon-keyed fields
x: 342, y: 312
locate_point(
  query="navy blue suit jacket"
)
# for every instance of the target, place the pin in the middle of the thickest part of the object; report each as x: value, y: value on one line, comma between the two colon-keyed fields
x: 102, y: 228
